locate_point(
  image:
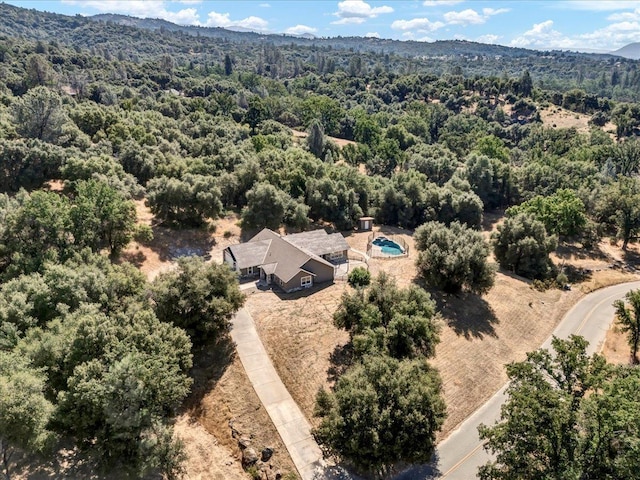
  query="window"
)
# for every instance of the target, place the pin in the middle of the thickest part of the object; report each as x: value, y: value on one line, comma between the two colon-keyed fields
x: 335, y: 255
x: 306, y: 282
x: 250, y: 271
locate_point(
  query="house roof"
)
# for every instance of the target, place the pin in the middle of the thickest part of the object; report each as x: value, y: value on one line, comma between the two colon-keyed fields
x: 319, y: 242
x: 250, y: 254
x: 282, y: 257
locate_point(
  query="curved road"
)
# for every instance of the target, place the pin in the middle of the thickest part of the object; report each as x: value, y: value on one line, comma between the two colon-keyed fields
x: 460, y: 454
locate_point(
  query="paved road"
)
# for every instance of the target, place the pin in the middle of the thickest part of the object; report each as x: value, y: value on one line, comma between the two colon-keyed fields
x: 293, y: 427
x: 459, y: 455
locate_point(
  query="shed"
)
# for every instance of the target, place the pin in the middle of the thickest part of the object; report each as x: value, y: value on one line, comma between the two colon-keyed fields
x: 365, y: 223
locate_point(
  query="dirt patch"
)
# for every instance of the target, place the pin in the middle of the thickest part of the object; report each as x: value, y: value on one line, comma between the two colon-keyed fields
x: 558, y: 117
x: 223, y: 397
x: 341, y: 142
x: 616, y: 348
x: 168, y: 244
x: 207, y: 458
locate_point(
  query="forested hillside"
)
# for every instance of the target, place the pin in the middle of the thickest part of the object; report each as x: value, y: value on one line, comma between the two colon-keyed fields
x: 199, y: 124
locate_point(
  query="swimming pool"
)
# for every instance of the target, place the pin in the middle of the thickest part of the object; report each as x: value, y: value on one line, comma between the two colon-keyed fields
x: 387, y: 246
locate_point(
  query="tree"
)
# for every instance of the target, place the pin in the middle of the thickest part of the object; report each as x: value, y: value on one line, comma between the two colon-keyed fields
x: 562, y: 213
x: 266, y: 207
x: 382, y: 412
x: 438, y: 163
x: 39, y: 114
x: 453, y: 258
x: 24, y: 410
x: 629, y: 320
x: 619, y: 206
x: 198, y: 297
x: 359, y: 277
x: 567, y: 416
x: 102, y: 216
x: 315, y: 139
x: 187, y: 201
x: 35, y: 229
x: 256, y: 113
x: 228, y: 65
x: 490, y: 179
x: 522, y: 246
x: 384, y: 319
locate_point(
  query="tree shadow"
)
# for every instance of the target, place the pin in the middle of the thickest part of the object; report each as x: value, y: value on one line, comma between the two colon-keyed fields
x: 467, y: 314
x: 136, y: 258
x: 210, y: 361
x: 631, y: 258
x: 170, y: 243
x: 305, y: 292
x: 573, y: 250
x: 340, y: 360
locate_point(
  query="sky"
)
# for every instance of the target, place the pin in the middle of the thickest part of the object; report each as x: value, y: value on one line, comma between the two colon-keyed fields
x: 601, y: 25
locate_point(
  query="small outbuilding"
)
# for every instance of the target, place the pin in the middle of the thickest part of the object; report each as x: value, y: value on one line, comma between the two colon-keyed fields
x: 365, y: 224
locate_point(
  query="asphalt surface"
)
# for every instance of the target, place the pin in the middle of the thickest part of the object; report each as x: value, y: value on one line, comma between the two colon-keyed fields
x: 460, y: 454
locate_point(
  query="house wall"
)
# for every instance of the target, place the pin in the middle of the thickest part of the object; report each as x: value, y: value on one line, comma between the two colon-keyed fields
x: 294, y: 283
x: 337, y: 256
x: 228, y: 259
x: 324, y: 273
x: 244, y: 272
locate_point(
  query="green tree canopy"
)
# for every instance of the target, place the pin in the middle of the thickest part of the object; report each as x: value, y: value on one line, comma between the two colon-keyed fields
x: 562, y: 213
x: 24, y: 410
x: 383, y: 411
x: 522, y: 246
x: 198, y: 297
x: 453, y: 258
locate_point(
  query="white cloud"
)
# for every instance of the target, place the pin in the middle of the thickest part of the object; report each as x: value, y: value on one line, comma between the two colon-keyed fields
x: 625, y: 16
x: 488, y: 38
x: 265, y: 5
x: 417, y: 23
x: 612, y: 36
x: 542, y: 35
x: 372, y: 35
x: 436, y: 3
x: 471, y: 17
x: 465, y: 17
x: 215, y: 19
x: 300, y: 29
x: 357, y: 11
x: 142, y: 8
x: 599, y: 6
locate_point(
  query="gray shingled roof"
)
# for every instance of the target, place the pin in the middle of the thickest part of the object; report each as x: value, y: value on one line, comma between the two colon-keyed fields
x: 250, y: 254
x: 319, y: 242
x: 282, y: 257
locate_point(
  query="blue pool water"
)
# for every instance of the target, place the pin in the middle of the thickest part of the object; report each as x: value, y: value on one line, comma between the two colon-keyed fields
x: 388, y: 246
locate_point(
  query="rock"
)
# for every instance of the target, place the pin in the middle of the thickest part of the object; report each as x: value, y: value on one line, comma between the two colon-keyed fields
x: 249, y: 456
x: 244, y: 442
x: 267, y: 453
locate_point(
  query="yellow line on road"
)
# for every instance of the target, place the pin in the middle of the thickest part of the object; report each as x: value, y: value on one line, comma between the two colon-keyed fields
x: 464, y: 459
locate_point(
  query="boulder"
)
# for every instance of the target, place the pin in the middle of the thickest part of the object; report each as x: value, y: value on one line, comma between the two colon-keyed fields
x: 249, y: 456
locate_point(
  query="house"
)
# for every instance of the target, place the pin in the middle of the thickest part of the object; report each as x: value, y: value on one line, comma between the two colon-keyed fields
x: 292, y: 261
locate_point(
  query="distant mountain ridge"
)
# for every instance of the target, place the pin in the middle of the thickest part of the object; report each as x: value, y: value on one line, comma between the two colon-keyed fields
x: 380, y: 45
x: 631, y: 51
